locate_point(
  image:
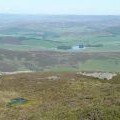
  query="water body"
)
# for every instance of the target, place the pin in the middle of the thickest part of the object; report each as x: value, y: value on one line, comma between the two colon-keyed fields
x: 77, y: 47
x: 72, y: 48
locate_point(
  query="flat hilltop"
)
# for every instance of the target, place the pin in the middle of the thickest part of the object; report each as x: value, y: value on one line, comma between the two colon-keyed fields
x: 58, y: 96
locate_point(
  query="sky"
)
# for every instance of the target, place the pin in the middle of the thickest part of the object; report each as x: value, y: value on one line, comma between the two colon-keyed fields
x: 77, y: 7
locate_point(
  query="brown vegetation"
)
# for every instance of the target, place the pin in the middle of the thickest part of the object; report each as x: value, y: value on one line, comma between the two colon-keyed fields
x: 59, y: 96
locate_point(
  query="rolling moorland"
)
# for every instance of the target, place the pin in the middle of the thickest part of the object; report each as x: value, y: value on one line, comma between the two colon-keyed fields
x: 55, y: 49
x: 66, y: 43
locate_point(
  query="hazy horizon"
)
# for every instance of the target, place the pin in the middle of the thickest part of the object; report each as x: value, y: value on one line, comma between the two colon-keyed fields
x: 53, y: 7
x: 59, y: 14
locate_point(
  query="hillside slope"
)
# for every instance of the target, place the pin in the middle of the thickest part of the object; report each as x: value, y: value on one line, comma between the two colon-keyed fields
x: 58, y: 96
x: 11, y: 61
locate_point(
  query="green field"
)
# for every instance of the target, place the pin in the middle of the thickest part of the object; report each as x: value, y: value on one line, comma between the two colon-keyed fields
x: 101, y: 65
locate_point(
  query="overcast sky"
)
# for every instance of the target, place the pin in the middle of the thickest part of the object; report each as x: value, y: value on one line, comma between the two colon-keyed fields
x: 80, y: 7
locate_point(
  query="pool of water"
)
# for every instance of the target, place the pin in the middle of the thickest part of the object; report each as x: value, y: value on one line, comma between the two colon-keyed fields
x: 17, y: 101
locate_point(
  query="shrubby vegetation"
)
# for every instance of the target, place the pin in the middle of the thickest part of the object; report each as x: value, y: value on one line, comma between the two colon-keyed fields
x: 59, y: 96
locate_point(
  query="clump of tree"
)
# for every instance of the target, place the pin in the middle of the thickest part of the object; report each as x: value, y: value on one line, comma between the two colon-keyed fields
x: 64, y: 47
